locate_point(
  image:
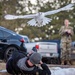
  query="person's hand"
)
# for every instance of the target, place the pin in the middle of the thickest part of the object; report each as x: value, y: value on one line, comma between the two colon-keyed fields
x: 31, y: 52
x: 69, y: 31
x: 41, y: 62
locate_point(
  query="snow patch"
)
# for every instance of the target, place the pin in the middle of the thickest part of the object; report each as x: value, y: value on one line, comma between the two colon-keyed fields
x: 57, y: 71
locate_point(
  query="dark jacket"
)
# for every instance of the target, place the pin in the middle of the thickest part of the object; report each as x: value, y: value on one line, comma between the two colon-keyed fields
x: 13, y: 68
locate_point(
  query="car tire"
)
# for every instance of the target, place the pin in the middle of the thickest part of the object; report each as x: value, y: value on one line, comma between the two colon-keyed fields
x: 8, y: 52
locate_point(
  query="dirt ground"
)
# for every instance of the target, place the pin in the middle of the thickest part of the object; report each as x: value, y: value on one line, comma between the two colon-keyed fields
x: 3, y: 67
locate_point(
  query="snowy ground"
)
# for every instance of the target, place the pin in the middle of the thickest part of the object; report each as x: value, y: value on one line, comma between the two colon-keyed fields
x: 58, y: 71
x: 62, y: 71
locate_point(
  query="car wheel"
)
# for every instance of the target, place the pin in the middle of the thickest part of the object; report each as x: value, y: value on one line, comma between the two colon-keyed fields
x: 8, y: 52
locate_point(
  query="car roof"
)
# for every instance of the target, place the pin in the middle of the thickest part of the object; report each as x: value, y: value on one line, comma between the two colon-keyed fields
x: 8, y: 30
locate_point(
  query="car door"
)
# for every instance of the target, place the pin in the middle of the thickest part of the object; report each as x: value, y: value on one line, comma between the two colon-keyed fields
x: 2, y: 44
x: 1, y: 39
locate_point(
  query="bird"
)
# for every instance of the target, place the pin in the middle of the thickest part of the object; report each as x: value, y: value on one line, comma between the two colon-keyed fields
x: 39, y: 19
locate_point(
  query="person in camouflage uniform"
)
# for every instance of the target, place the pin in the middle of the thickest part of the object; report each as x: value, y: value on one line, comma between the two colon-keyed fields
x: 66, y: 33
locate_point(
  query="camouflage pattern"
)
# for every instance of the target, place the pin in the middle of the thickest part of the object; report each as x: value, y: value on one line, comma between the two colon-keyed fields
x: 66, y: 39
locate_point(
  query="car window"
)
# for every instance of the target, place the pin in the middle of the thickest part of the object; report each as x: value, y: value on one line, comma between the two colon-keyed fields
x: 1, y: 34
x: 6, y: 34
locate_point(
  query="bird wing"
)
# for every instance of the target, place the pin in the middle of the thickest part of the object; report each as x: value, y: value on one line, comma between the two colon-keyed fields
x: 11, y: 17
x: 67, y: 7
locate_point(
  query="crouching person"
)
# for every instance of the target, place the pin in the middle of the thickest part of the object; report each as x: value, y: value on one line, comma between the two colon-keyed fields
x: 20, y: 64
